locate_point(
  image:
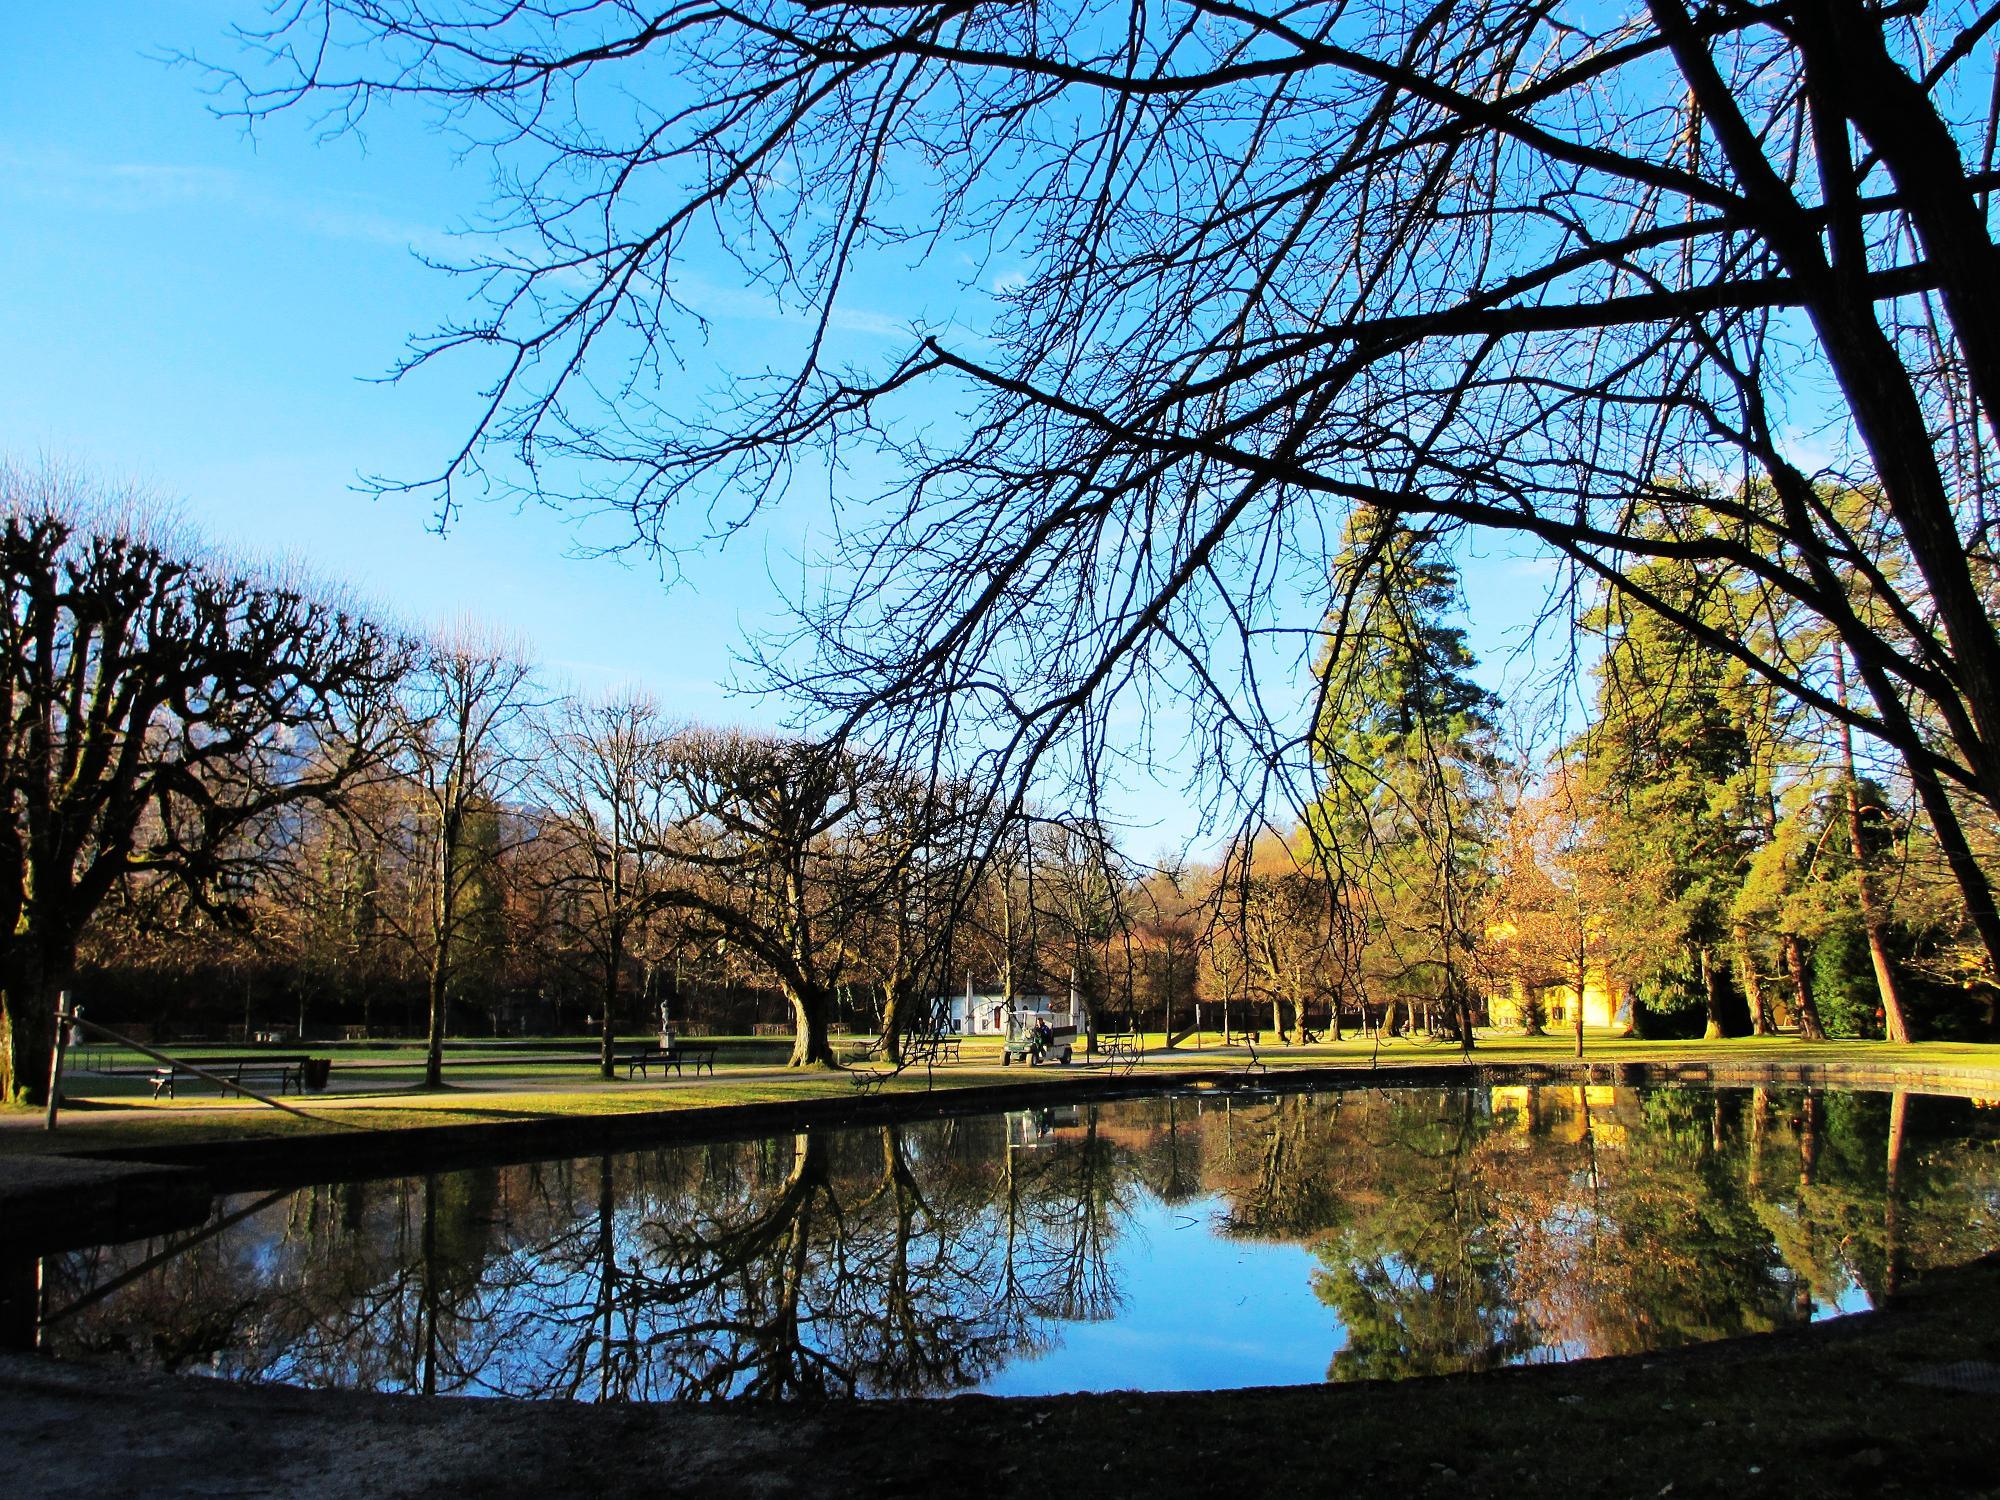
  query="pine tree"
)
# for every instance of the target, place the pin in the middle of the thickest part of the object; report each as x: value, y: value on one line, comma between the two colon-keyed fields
x: 1405, y: 735
x: 1676, y: 789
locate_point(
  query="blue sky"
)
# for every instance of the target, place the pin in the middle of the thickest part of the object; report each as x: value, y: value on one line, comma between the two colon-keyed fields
x: 205, y: 312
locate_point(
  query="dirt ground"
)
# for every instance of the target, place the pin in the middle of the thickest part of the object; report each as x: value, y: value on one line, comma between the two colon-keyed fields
x: 1906, y: 1401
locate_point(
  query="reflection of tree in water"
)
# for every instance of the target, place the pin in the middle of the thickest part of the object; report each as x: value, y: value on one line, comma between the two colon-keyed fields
x: 1387, y: 1189
x: 808, y: 1265
x: 1421, y: 1288
x: 818, y: 1282
x: 1171, y: 1163
x: 1455, y: 1234
x: 1065, y: 1208
x: 1451, y: 1229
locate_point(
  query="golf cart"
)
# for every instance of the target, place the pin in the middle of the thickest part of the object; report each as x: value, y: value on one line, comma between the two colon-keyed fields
x: 1031, y: 1039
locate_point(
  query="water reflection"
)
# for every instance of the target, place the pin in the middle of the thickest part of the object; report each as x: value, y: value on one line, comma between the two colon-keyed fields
x: 1432, y: 1231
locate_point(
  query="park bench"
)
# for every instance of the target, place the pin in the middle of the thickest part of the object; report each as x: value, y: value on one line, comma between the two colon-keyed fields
x: 940, y: 1048
x: 1119, y: 1050
x: 918, y: 1047
x: 259, y: 1071
x: 697, y: 1055
x: 1244, y: 1038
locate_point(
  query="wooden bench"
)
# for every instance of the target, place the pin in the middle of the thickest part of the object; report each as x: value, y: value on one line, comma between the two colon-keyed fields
x: 697, y: 1055
x: 944, y: 1047
x: 1242, y: 1038
x: 257, y: 1070
x: 1119, y: 1050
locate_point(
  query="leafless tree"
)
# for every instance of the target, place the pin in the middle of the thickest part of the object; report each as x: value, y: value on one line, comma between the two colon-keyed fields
x: 162, y: 715
x: 600, y: 780
x: 915, y: 841
x: 755, y: 851
x: 460, y: 753
x: 1637, y: 284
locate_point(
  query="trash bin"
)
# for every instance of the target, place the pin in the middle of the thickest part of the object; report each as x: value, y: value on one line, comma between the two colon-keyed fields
x: 314, y: 1073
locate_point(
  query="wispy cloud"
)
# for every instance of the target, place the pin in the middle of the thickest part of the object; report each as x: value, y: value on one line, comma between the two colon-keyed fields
x: 60, y: 175
x: 56, y: 174
x: 751, y: 304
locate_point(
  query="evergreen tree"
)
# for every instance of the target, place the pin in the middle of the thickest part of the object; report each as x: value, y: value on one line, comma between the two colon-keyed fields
x: 1406, y: 736
x: 1677, y: 786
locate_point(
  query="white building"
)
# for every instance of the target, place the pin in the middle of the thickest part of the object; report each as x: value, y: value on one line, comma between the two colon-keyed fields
x: 974, y: 1014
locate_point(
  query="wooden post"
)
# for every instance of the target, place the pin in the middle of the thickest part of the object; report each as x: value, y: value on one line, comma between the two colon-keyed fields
x: 56, y: 1057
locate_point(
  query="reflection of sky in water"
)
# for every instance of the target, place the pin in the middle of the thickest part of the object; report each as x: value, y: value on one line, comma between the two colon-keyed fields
x: 1200, y: 1312
x: 1450, y: 1237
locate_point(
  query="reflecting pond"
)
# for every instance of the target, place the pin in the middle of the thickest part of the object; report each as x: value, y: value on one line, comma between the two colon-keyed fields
x: 1172, y: 1242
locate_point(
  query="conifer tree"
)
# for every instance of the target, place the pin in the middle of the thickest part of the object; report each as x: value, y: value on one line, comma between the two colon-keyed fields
x: 1406, y: 737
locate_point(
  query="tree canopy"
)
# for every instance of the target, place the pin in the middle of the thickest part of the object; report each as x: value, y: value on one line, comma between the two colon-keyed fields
x: 1590, y: 277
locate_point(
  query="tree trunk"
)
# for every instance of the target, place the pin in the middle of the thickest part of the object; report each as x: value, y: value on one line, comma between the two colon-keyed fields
x: 27, y: 1041
x: 1530, y: 1005
x: 892, y: 1022
x: 28, y: 1026
x: 1851, y: 73
x: 1582, y: 988
x: 1894, y: 1024
x: 440, y: 982
x: 1810, y: 1029
x: 608, y: 1032
x: 1753, y: 987
x: 810, y: 1046
x: 1711, y: 996
x: 1881, y: 398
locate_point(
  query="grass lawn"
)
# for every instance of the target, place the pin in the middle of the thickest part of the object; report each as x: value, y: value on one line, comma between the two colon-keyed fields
x: 105, y: 1112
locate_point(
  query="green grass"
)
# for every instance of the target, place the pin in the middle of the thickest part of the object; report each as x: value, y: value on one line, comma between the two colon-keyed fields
x: 106, y: 1113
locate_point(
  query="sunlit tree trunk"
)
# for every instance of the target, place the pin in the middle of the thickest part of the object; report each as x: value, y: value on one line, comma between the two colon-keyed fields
x: 1753, y: 986
x: 1894, y: 1024
x: 1710, y: 994
x: 1810, y: 1028
x: 811, y: 1044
